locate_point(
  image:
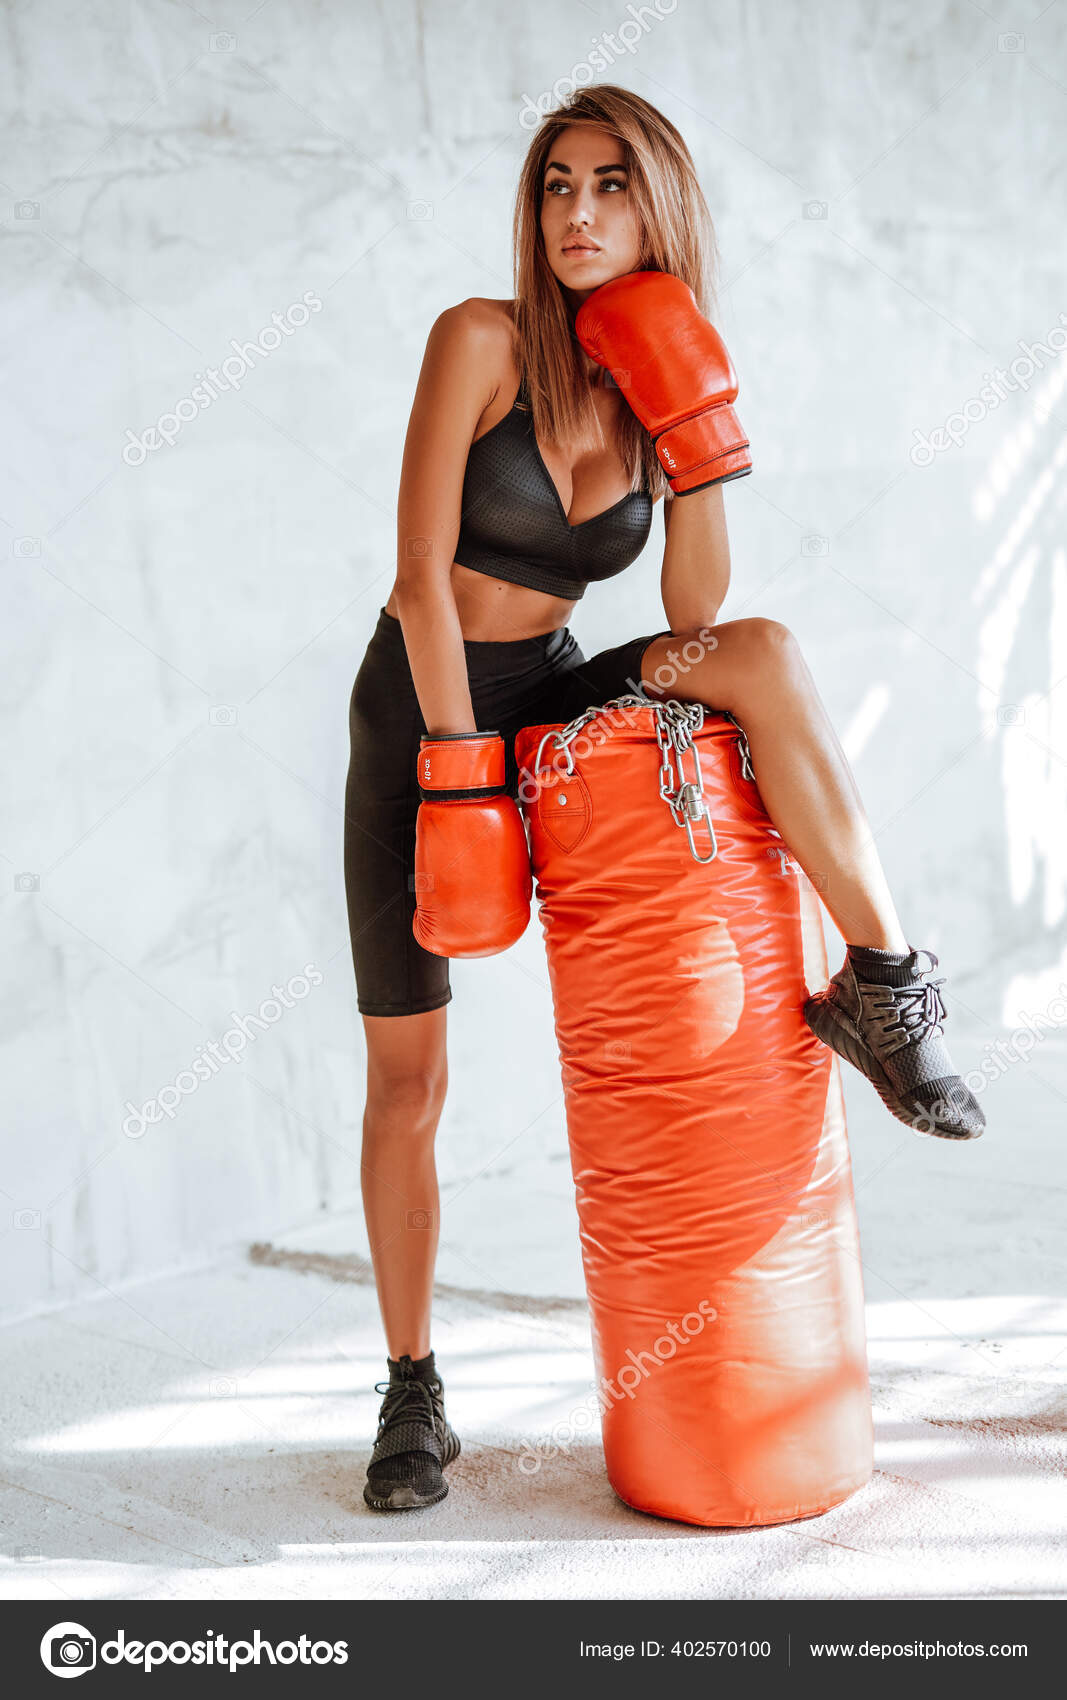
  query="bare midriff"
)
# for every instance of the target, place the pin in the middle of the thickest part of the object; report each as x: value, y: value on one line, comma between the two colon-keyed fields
x: 493, y: 611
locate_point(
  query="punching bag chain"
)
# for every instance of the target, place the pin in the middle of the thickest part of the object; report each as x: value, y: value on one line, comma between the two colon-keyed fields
x: 742, y: 747
x: 676, y: 723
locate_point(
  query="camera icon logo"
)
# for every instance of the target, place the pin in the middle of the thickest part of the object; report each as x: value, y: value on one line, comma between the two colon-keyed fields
x: 420, y: 209
x: 25, y: 546
x: 223, y: 42
x: 68, y: 1649
x: 1011, y: 42
x: 815, y: 545
x: 223, y: 714
x: 1011, y: 714
x: 816, y: 209
x: 27, y: 882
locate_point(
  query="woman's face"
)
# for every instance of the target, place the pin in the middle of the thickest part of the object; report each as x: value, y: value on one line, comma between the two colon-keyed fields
x: 588, y: 220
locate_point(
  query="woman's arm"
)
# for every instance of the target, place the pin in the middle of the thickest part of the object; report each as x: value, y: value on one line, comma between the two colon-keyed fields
x: 457, y: 382
x: 696, y: 559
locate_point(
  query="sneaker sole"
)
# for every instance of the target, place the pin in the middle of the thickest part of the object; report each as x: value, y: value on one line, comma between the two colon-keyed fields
x: 404, y: 1499
x: 842, y: 1036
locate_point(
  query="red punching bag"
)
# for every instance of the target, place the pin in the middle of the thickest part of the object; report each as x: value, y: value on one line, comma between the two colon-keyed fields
x: 706, y: 1123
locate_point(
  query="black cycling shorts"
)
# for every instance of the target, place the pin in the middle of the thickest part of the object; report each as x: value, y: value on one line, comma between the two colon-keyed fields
x: 528, y: 682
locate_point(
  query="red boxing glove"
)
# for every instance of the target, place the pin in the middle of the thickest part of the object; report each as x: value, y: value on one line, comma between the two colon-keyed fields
x: 670, y: 364
x: 473, y: 883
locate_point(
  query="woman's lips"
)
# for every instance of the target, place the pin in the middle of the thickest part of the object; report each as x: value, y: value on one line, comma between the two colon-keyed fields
x: 576, y: 250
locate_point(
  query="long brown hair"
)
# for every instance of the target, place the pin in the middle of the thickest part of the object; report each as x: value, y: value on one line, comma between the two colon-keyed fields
x: 677, y: 237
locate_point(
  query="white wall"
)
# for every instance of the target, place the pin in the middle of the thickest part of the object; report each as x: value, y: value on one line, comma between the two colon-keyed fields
x: 181, y: 636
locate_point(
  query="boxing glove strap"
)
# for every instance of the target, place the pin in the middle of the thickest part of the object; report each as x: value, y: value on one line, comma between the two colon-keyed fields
x: 704, y: 476
x: 701, y: 438
x: 713, y: 472
x: 461, y: 767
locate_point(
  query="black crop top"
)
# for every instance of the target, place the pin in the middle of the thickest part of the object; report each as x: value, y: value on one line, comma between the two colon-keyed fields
x: 514, y: 526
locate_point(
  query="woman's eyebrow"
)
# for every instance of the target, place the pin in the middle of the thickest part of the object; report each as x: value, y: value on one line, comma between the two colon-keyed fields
x: 557, y: 165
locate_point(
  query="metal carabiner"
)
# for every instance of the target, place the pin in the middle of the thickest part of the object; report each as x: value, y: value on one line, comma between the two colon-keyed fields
x: 694, y: 805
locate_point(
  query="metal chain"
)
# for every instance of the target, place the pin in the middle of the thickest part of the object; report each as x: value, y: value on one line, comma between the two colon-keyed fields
x: 742, y: 746
x: 676, y: 726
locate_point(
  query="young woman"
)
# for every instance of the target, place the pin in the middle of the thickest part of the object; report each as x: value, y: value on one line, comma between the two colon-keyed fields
x: 525, y: 477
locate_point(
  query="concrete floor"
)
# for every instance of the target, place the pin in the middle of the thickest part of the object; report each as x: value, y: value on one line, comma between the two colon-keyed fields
x: 205, y: 1435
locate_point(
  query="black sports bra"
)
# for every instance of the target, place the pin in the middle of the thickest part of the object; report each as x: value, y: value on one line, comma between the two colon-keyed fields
x: 513, y: 524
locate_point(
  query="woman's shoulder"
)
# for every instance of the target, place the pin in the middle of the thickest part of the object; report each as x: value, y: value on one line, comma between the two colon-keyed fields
x: 480, y: 319
x: 478, y: 335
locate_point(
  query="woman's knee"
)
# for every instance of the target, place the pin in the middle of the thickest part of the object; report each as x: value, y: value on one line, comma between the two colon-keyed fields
x: 756, y: 662
x: 407, y: 1068
x: 417, y: 1092
x: 766, y: 638
x: 762, y: 647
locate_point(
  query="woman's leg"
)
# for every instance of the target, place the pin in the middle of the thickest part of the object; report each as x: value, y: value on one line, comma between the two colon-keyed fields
x: 754, y: 668
x: 406, y: 1084
x: 880, y: 1011
x: 407, y: 1078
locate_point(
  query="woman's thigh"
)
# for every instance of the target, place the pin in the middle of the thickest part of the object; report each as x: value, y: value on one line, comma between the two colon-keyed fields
x: 746, y: 666
x: 395, y: 976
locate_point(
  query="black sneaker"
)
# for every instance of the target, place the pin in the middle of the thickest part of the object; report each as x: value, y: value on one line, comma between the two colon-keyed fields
x: 414, y: 1439
x: 892, y: 1032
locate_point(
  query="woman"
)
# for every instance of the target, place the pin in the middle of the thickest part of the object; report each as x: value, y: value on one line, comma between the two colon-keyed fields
x: 526, y: 476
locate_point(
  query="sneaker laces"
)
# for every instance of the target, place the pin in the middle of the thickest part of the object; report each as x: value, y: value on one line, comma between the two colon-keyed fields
x: 403, y: 1399
x: 906, y: 1015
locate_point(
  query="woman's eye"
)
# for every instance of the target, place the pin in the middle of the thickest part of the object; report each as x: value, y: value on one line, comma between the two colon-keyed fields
x: 605, y: 183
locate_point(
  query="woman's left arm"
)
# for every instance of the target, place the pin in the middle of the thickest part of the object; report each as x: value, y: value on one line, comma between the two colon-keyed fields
x: 696, y: 559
